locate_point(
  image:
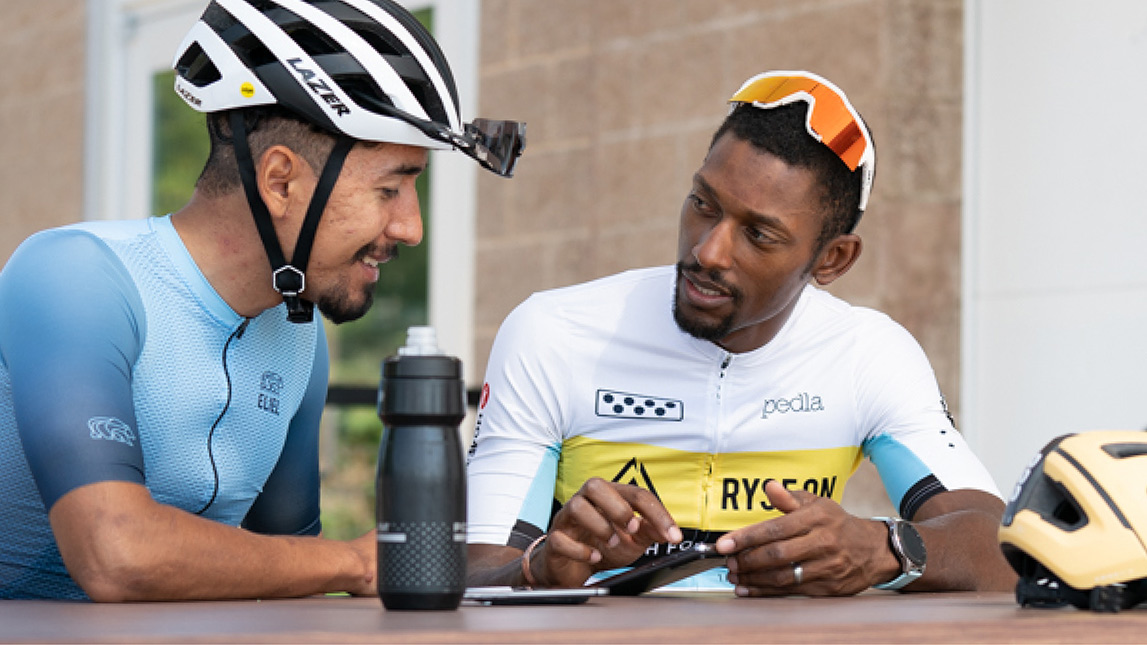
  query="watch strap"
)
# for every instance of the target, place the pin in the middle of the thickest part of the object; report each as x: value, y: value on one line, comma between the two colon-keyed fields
x: 908, y: 572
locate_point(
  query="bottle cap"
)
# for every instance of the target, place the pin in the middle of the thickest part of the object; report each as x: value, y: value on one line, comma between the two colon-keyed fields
x: 420, y: 341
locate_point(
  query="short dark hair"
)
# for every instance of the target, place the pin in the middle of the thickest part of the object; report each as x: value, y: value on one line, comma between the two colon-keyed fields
x: 781, y: 131
x: 266, y: 127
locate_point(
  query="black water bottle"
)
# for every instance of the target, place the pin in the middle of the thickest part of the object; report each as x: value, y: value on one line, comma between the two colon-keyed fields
x: 421, y: 503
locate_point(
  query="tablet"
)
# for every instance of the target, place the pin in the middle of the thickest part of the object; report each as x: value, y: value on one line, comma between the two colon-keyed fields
x: 527, y: 596
x: 662, y: 571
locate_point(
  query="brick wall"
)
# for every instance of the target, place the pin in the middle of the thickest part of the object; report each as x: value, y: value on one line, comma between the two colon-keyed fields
x: 41, y: 118
x: 622, y: 96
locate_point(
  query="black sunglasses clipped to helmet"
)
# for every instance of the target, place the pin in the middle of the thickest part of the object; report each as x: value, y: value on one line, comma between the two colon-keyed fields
x: 495, y: 145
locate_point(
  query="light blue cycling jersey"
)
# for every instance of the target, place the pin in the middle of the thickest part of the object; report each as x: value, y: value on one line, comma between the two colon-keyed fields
x: 119, y: 361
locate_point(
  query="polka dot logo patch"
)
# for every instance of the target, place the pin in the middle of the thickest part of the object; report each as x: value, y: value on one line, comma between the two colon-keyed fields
x: 626, y: 405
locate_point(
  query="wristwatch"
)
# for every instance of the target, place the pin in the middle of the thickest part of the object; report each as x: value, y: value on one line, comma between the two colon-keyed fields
x: 908, y: 547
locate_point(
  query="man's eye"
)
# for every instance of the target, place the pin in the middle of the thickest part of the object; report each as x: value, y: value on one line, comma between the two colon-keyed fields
x: 698, y: 203
x: 389, y: 193
x: 758, y: 236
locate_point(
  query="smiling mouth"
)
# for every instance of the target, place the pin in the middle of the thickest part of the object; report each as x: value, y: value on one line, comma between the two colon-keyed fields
x: 376, y: 255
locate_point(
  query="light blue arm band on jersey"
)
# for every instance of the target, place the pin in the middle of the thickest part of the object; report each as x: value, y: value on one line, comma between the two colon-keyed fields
x: 539, y: 501
x: 900, y: 469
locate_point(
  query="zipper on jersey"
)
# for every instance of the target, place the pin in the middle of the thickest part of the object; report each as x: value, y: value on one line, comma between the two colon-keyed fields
x: 235, y: 335
x: 721, y: 376
x: 706, y: 490
x: 711, y: 457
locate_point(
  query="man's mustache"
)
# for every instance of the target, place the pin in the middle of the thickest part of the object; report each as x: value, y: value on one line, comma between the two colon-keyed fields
x: 712, y: 276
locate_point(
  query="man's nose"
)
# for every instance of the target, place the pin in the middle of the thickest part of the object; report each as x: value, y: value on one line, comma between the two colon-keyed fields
x: 714, y: 249
x: 405, y: 224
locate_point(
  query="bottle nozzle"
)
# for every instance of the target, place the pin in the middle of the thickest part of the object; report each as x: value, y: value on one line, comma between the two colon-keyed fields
x: 420, y: 341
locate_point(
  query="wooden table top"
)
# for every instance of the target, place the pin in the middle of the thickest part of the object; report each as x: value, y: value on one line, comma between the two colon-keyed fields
x: 872, y: 617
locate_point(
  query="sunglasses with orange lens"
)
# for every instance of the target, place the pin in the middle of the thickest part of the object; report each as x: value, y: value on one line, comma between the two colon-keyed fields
x: 831, y: 118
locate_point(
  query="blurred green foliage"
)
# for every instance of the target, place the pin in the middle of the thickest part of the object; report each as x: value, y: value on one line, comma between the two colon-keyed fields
x: 179, y: 147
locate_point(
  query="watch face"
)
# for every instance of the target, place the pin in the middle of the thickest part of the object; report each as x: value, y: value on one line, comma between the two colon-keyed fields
x: 912, y: 544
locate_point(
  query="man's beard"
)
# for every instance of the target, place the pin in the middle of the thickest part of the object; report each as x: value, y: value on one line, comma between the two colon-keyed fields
x: 338, y: 309
x: 696, y: 327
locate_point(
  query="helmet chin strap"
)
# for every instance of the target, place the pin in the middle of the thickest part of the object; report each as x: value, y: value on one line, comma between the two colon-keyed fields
x: 288, y: 279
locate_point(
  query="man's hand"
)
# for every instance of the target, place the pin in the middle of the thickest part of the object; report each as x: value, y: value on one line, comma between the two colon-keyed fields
x: 366, y: 547
x: 603, y: 526
x: 838, y: 554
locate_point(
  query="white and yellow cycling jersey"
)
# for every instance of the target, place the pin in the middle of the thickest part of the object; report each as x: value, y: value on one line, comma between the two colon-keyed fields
x: 597, y: 380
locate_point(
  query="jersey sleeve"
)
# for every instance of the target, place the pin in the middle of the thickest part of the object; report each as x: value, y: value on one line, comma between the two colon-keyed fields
x: 289, y: 503
x: 512, y: 464
x: 71, y: 328
x: 912, y: 439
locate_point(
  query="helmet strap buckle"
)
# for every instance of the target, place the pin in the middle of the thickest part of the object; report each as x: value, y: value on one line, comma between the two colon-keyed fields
x: 288, y: 280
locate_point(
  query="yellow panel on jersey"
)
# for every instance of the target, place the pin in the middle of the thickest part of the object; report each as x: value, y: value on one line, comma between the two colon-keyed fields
x: 702, y: 490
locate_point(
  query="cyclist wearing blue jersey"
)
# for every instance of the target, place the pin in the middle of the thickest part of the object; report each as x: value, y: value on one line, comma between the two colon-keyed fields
x: 162, y: 380
x: 727, y: 400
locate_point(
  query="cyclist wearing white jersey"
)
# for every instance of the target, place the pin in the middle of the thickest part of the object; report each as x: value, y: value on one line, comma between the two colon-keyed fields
x: 161, y: 381
x: 727, y: 399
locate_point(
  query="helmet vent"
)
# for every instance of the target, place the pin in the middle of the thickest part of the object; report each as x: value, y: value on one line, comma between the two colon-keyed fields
x: 1068, y: 514
x: 412, y: 74
x: 196, y: 67
x: 217, y: 18
x: 1056, y: 505
x: 1125, y: 450
x: 246, y: 46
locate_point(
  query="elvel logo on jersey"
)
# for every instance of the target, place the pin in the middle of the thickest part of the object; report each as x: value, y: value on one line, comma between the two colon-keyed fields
x: 271, y: 385
x: 625, y: 405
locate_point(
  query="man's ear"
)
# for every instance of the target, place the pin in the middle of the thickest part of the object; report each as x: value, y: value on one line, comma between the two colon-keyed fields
x: 836, y: 258
x: 278, y: 172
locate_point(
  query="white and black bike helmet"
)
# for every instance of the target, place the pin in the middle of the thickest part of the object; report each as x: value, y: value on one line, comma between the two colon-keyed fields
x: 361, y: 69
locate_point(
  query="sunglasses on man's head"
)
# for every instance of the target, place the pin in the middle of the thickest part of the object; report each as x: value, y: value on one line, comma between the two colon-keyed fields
x: 831, y: 118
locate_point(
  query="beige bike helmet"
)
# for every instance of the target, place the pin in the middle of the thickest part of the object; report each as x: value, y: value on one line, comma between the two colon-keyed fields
x: 1075, y: 527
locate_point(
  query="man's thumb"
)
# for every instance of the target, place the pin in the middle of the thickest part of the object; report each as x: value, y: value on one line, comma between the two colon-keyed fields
x: 780, y: 497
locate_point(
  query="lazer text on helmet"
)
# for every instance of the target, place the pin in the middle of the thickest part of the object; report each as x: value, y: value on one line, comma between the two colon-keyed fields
x: 187, y: 95
x: 319, y: 87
